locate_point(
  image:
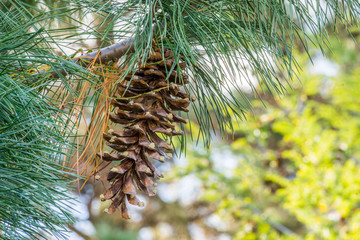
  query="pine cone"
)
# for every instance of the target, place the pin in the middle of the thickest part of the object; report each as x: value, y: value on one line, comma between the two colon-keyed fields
x: 145, y: 103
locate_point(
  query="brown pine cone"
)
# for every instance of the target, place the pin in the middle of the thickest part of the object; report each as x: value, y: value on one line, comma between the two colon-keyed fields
x: 144, y: 104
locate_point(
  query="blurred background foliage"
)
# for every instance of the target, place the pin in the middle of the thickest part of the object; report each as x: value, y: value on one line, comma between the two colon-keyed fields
x: 290, y: 171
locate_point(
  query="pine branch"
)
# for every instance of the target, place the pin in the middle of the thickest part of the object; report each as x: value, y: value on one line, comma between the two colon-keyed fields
x: 112, y: 52
x: 103, y: 56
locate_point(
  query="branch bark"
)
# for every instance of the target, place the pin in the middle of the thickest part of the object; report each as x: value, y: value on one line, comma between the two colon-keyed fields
x: 111, y: 52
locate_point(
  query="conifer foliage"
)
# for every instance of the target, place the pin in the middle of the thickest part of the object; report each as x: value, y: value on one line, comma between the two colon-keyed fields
x: 144, y: 105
